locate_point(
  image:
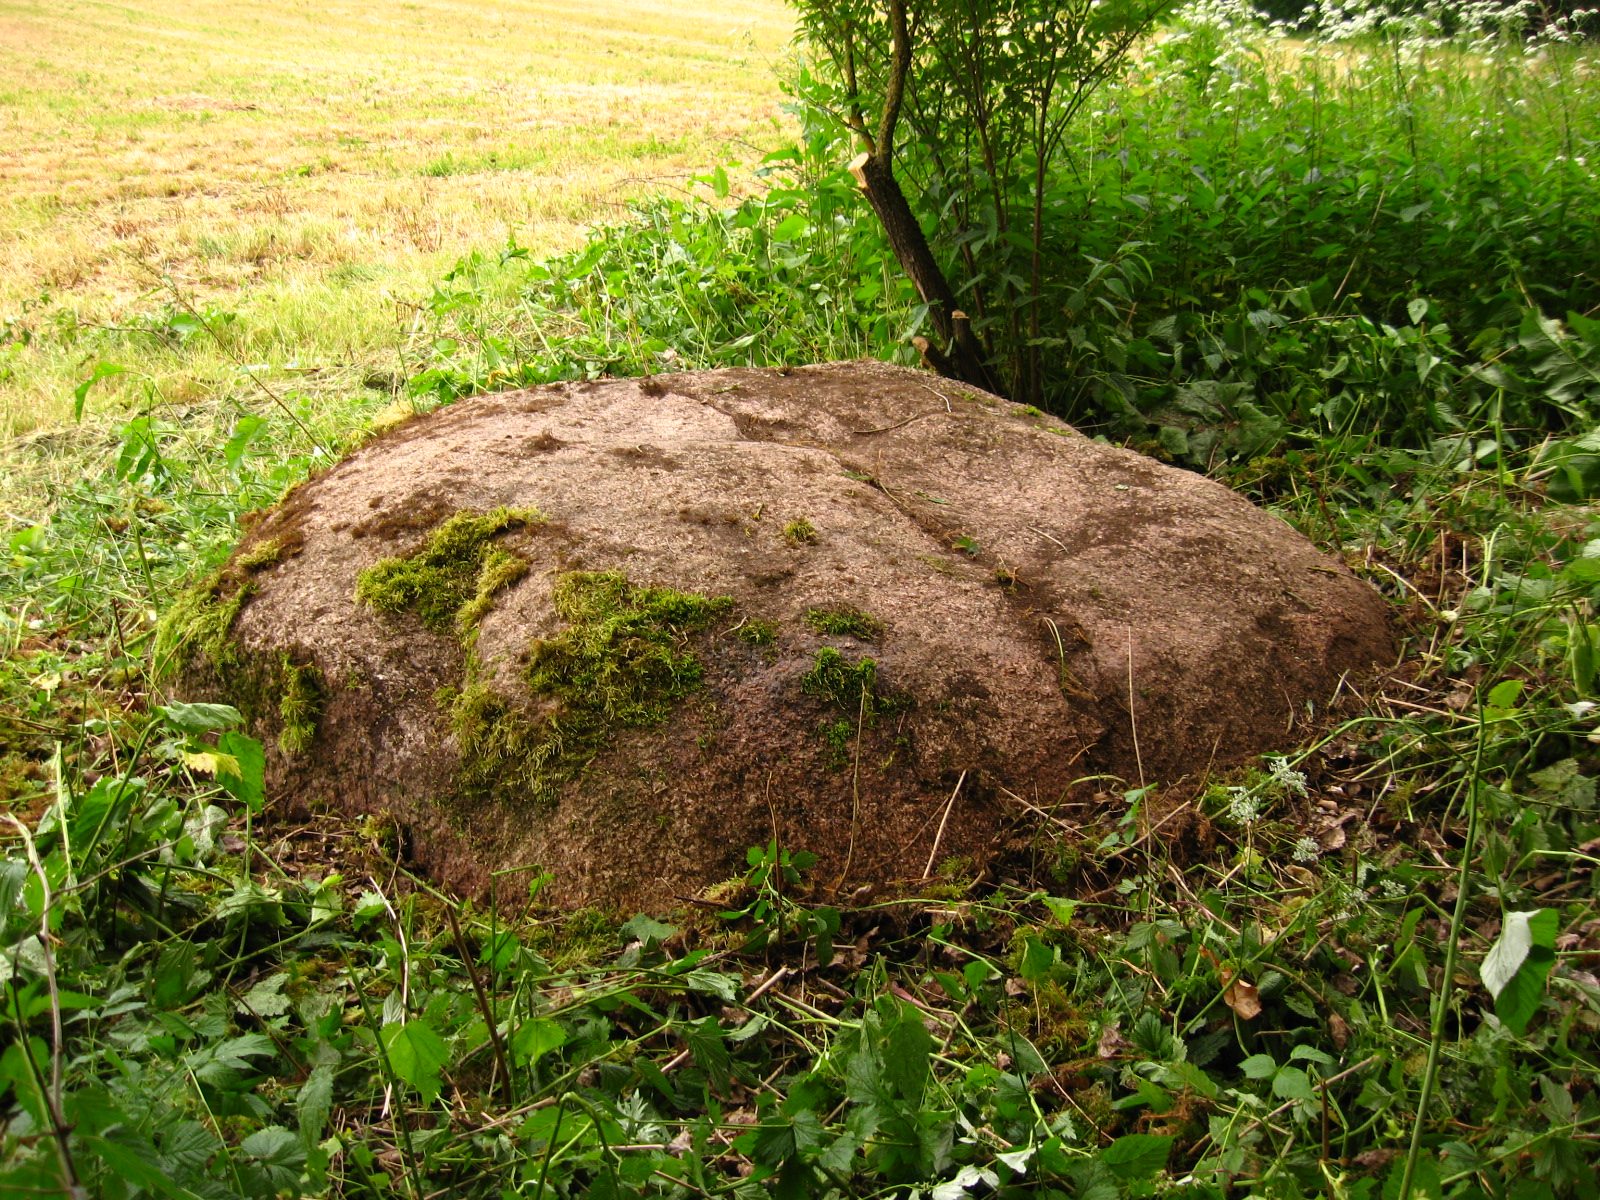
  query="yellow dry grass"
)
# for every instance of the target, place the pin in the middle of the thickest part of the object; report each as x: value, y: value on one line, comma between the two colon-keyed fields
x: 312, y: 166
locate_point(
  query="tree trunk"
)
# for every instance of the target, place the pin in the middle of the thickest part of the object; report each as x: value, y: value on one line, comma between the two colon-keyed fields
x: 911, y: 249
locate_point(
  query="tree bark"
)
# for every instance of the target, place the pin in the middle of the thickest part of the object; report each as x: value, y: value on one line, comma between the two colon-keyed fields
x: 911, y: 250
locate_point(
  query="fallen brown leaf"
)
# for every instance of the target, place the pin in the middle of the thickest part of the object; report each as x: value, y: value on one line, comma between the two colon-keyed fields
x: 1243, y: 998
x: 1111, y: 1041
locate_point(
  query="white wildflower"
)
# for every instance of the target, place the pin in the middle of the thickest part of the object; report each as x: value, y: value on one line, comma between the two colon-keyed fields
x: 1244, y: 805
x: 1285, y: 777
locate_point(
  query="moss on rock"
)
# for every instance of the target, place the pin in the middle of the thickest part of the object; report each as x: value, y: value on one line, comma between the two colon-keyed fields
x: 621, y: 663
x: 451, y: 581
x: 850, y: 689
x: 200, y: 621
x: 845, y: 621
x: 302, y: 691
x: 758, y: 632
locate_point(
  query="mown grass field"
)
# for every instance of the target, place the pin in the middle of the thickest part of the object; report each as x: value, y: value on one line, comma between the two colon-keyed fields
x: 315, y: 166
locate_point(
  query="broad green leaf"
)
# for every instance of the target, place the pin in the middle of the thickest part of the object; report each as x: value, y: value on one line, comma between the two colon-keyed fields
x: 265, y: 998
x: 536, y: 1038
x: 15, y: 1071
x: 1037, y: 960
x: 647, y: 930
x: 418, y: 1055
x: 1137, y: 1156
x: 1061, y: 910
x: 1291, y: 1083
x: 1311, y: 1054
x: 248, y: 781
x: 275, y: 1145
x: 907, y: 1047
x: 1259, y: 1066
x: 313, y: 1105
x: 1575, y: 479
x: 712, y: 983
x: 710, y: 1051
x: 1517, y: 997
x: 1504, y: 695
x: 134, y: 1159
x: 273, y: 1157
x: 1510, y: 950
x: 1425, y: 1184
x: 200, y: 718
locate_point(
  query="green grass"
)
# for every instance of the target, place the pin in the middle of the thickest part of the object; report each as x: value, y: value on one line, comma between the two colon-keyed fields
x: 1264, y: 982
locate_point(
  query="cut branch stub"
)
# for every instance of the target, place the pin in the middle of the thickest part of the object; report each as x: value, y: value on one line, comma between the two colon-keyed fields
x: 964, y: 357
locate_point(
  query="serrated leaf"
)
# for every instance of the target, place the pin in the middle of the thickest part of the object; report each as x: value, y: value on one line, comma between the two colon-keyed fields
x: 275, y: 1145
x: 1137, y: 1156
x: 1259, y: 1066
x: 133, y: 1158
x: 1061, y: 910
x: 266, y: 998
x: 710, y: 1052
x: 907, y: 1047
x: 201, y: 718
x: 313, y: 1105
x: 536, y: 1038
x: 417, y: 1055
x: 1291, y: 1083
x: 712, y: 983
x: 209, y: 762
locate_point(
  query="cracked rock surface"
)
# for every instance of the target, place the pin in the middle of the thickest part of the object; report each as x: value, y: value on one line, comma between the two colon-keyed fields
x: 1031, y: 585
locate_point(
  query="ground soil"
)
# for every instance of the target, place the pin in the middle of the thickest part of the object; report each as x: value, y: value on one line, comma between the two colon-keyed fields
x: 1051, y: 608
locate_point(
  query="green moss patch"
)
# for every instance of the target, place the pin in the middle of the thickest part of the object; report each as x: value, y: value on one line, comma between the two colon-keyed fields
x: 844, y: 621
x: 758, y: 632
x: 300, y: 706
x: 801, y: 532
x: 199, y: 621
x: 452, y: 580
x: 851, y: 690
x: 623, y: 662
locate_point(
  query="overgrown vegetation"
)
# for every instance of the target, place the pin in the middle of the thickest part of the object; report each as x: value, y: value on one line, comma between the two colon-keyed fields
x: 1349, y: 272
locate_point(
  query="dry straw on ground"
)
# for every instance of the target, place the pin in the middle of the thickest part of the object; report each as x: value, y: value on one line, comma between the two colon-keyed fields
x: 308, y: 164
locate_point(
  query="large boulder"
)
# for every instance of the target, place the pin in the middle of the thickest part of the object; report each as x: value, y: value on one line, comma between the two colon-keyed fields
x: 625, y: 630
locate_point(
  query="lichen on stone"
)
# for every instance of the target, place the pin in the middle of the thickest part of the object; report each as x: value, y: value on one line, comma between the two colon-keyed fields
x: 452, y: 580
